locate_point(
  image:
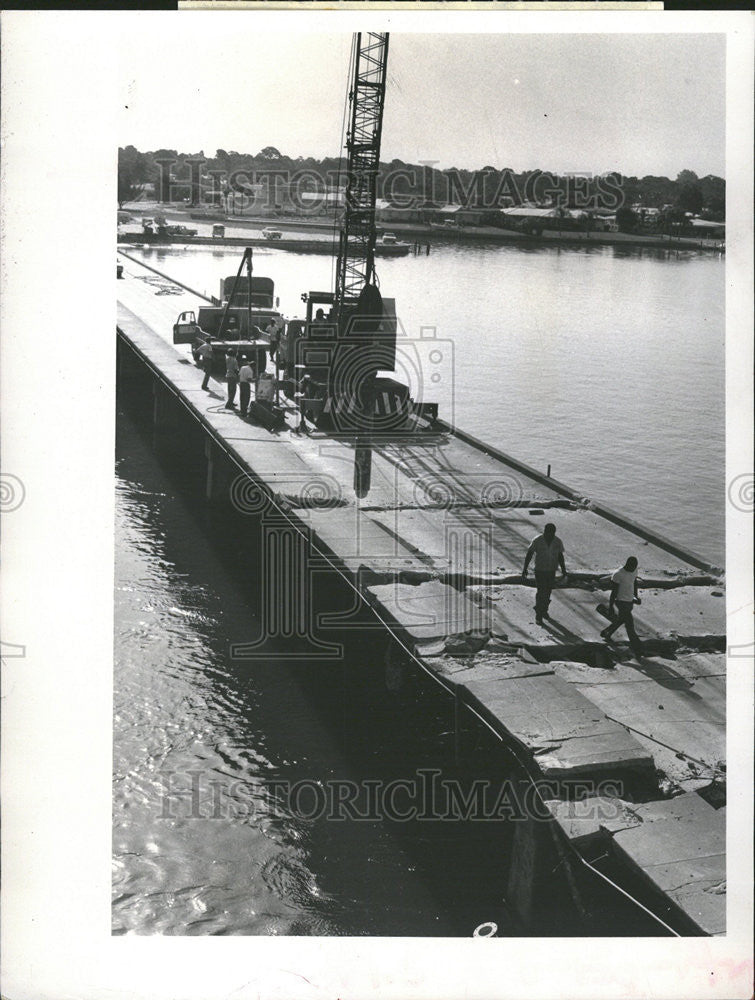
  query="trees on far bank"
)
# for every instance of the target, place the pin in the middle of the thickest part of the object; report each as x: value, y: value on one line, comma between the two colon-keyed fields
x: 133, y: 173
x: 690, y: 197
x: 213, y: 179
x: 626, y: 219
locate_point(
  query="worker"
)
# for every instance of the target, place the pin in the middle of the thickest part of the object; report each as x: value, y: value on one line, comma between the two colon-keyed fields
x: 273, y: 336
x: 231, y: 377
x: 548, y: 550
x: 204, y: 355
x: 319, y: 324
x: 624, y: 595
x: 246, y: 377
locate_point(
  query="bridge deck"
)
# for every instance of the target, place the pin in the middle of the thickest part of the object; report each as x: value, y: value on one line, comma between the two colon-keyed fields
x: 437, y: 547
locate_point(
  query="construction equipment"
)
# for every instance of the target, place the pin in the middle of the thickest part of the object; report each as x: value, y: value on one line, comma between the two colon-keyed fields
x: 342, y: 352
x: 237, y: 320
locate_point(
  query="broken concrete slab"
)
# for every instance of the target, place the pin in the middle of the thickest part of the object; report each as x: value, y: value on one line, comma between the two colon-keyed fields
x: 446, y: 471
x: 702, y: 745
x: 691, y: 612
x: 680, y: 722
x: 680, y: 848
x: 613, y: 753
x: 565, y: 732
x: 428, y: 610
x: 696, y: 670
x: 496, y: 540
x: 485, y: 666
x: 590, y: 818
x: 359, y: 543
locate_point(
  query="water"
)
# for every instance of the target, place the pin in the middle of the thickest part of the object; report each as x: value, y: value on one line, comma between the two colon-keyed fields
x: 605, y: 363
x: 243, y: 856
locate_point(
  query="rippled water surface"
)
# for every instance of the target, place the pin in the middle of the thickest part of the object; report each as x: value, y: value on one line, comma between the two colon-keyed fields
x: 609, y: 366
x: 204, y: 840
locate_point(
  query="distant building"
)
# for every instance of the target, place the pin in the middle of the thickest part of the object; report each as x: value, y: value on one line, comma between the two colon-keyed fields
x: 389, y: 211
x: 708, y: 230
x: 532, y: 219
x: 325, y: 201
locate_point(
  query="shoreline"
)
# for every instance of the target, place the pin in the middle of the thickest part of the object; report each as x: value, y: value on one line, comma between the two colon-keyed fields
x: 424, y: 233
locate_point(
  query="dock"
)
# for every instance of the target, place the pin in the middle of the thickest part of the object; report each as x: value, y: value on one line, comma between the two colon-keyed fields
x: 435, y: 553
x: 300, y: 245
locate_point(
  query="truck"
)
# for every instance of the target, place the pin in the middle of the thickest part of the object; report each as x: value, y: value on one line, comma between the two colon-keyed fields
x: 159, y: 228
x: 237, y: 319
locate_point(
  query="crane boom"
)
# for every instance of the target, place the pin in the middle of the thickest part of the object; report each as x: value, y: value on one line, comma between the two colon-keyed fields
x: 356, y: 252
x: 358, y: 338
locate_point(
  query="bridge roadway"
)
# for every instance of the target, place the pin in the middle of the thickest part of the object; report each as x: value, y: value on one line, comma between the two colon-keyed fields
x: 436, y: 549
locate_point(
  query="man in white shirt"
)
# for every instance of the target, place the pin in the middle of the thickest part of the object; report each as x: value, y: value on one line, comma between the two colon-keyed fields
x: 624, y: 597
x: 204, y: 354
x: 231, y: 377
x: 246, y: 377
x: 548, y: 551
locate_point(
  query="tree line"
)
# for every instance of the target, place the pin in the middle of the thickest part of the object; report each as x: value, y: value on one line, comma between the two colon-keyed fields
x: 200, y: 179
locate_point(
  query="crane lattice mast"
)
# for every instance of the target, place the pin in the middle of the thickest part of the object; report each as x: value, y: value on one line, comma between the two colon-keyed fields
x: 356, y: 252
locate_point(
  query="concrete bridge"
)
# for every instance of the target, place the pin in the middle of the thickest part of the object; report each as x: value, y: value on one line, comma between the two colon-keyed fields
x: 435, y: 553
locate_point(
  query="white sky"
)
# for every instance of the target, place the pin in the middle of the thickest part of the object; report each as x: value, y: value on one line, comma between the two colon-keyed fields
x: 639, y: 103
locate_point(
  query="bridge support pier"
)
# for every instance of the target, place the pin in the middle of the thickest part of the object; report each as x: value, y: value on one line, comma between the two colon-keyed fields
x: 210, y: 480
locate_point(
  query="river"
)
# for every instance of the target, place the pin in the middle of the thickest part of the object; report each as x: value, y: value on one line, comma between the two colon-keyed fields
x: 217, y: 827
x: 606, y: 364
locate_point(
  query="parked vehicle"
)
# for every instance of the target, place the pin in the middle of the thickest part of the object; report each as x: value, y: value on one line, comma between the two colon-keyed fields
x: 167, y: 230
x: 237, y: 319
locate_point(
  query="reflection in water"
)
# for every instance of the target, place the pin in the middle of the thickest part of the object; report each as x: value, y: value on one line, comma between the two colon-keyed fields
x: 209, y: 837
